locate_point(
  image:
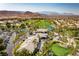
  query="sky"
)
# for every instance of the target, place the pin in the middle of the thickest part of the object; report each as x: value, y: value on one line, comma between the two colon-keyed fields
x: 38, y: 7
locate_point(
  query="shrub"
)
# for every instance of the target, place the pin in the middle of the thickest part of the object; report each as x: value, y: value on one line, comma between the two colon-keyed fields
x: 16, y: 47
x: 1, y: 40
x: 3, y: 53
x: 2, y: 47
x: 8, y: 25
x: 24, y: 52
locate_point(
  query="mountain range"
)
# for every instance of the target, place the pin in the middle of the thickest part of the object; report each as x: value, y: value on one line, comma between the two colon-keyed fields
x: 55, y: 13
x: 26, y: 14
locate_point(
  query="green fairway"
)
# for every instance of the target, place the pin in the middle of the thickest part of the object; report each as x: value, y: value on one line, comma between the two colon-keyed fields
x: 60, y: 51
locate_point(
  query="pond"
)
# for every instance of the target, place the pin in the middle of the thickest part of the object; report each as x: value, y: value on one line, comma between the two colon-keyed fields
x: 60, y: 51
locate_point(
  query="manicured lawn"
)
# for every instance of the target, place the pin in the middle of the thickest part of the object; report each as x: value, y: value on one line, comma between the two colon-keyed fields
x: 60, y: 51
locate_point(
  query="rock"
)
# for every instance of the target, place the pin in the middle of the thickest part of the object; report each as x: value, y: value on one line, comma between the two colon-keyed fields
x: 29, y: 44
x: 10, y: 46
